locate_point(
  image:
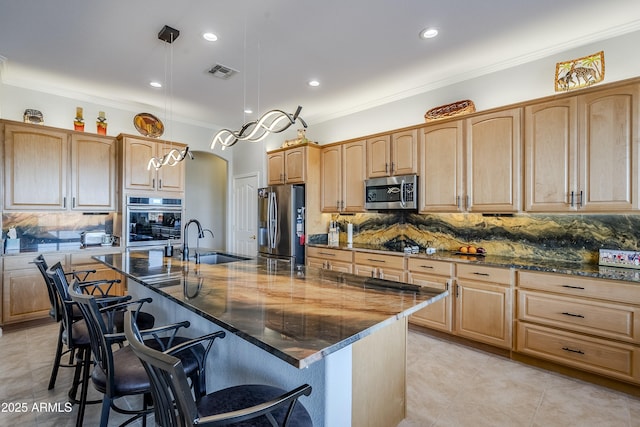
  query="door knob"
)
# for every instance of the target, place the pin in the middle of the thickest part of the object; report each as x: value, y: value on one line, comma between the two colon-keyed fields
x: 253, y: 237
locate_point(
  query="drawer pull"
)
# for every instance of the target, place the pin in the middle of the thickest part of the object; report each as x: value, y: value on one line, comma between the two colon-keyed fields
x: 573, y: 287
x: 570, y: 350
x: 426, y: 266
x: 573, y: 315
x: 375, y: 260
x: 327, y: 254
x: 481, y: 274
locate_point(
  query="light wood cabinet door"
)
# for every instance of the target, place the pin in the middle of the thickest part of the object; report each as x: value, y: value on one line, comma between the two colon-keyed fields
x: 379, y: 156
x: 441, y: 168
x: 137, y: 153
x: 438, y: 315
x: 24, y: 296
x: 608, y: 147
x: 331, y: 178
x: 354, y: 171
x: 295, y: 165
x: 484, y: 312
x: 551, y: 162
x: 31, y: 154
x: 275, y: 168
x: 170, y: 179
x: 93, y: 173
x: 404, y: 153
x: 493, y: 155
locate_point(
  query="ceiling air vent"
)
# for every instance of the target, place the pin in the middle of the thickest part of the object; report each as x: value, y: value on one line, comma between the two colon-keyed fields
x: 222, y: 71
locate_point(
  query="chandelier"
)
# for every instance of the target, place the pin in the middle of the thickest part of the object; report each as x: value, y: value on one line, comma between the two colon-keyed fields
x: 274, y: 121
x: 173, y: 156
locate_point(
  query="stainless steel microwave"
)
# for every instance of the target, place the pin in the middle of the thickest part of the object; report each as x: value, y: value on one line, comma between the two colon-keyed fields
x: 393, y: 192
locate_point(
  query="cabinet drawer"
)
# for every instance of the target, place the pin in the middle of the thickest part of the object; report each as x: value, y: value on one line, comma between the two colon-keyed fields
x: 591, y: 354
x: 581, y: 286
x: 330, y: 254
x: 588, y: 316
x: 25, y: 262
x: 427, y: 266
x: 379, y: 260
x: 484, y: 274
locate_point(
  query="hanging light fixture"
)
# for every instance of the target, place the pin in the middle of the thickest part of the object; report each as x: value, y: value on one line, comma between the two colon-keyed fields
x: 274, y: 121
x: 173, y: 156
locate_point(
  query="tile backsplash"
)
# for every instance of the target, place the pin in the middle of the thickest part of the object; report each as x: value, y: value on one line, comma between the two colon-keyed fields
x: 565, y: 237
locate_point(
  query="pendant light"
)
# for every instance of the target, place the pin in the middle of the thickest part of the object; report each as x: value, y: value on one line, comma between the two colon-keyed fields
x: 173, y: 156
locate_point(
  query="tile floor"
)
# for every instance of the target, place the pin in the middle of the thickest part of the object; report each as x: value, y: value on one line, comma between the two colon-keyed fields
x: 448, y: 385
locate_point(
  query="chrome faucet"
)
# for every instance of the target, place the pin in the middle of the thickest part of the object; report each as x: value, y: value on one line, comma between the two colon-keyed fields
x: 185, y: 246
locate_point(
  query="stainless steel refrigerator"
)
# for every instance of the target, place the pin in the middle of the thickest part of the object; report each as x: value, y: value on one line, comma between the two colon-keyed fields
x: 281, y: 222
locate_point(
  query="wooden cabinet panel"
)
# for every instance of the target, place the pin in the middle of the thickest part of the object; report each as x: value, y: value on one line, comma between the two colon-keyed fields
x: 295, y: 165
x: 331, y: 178
x: 404, y: 153
x: 551, y: 145
x: 137, y: 176
x: 28, y: 149
x: 493, y: 155
x: 441, y: 168
x: 485, y: 274
x: 616, y: 321
x: 275, y: 168
x: 438, y: 315
x: 343, y: 171
x: 389, y: 267
x: 379, y: 156
x: 609, y: 135
x: 484, y: 312
x: 603, y: 357
x: 24, y: 296
x: 330, y: 259
x: 93, y: 173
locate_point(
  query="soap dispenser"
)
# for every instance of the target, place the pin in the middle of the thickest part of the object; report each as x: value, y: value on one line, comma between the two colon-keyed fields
x: 168, y: 250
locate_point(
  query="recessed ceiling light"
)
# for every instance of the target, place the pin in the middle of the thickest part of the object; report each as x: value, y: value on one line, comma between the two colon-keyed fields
x: 314, y: 83
x: 210, y: 37
x: 428, y: 33
x: 155, y: 84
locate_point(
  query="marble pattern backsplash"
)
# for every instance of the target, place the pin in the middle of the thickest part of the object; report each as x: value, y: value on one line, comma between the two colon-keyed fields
x: 538, y: 236
x: 48, y: 231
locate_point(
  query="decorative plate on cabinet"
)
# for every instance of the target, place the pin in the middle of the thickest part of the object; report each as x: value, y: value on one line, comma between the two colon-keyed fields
x: 148, y: 125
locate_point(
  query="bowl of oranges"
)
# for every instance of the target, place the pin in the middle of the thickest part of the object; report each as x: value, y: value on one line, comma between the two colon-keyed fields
x: 471, y: 250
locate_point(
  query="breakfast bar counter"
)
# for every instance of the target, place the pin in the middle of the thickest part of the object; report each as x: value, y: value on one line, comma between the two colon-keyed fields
x: 343, y: 334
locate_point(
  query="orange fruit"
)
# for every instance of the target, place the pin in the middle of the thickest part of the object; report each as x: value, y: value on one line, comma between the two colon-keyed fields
x: 471, y: 250
x: 463, y: 249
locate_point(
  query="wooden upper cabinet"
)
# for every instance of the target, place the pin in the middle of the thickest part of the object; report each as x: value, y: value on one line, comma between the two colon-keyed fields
x: 394, y: 154
x: 36, y: 165
x: 608, y: 149
x: 137, y: 175
x: 493, y: 155
x: 287, y: 166
x: 404, y: 152
x: 343, y: 171
x: 93, y: 173
x: 441, y: 183
x: 551, y: 162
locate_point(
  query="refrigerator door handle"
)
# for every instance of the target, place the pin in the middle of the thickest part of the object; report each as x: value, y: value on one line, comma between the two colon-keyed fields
x: 273, y: 220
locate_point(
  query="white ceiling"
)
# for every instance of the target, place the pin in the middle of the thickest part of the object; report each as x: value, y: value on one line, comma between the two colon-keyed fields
x: 364, y: 52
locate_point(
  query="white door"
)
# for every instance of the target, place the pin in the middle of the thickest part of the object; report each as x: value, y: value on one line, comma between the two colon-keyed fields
x: 245, y: 216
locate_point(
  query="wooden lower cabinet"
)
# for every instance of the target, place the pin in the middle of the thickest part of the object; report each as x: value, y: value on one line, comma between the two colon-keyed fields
x: 24, y: 293
x: 83, y: 262
x: 330, y: 259
x: 585, y: 323
x: 380, y: 266
x: 437, y: 275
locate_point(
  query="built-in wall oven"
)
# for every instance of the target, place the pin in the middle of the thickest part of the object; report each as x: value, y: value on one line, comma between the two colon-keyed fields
x: 153, y: 220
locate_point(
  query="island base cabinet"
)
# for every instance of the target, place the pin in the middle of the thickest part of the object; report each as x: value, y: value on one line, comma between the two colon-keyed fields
x: 604, y: 357
x: 379, y: 377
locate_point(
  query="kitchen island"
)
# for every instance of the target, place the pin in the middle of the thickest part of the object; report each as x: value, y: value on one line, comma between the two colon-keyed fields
x: 344, y: 335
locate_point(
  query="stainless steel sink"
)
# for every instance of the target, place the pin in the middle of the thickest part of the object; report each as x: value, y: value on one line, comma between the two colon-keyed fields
x: 220, y: 258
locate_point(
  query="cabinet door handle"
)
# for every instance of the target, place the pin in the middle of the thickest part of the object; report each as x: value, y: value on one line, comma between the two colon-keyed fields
x: 481, y: 274
x: 573, y: 315
x: 581, y: 199
x: 458, y: 201
x: 468, y: 202
x: 159, y: 184
x: 392, y: 167
x: 573, y: 287
x: 73, y: 202
x: 64, y: 202
x: 571, y: 202
x: 153, y: 183
x: 386, y: 168
x: 570, y: 350
x: 457, y: 291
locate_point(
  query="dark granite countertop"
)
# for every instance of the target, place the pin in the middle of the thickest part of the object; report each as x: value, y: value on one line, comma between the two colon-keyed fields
x: 300, y: 315
x: 549, y: 266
